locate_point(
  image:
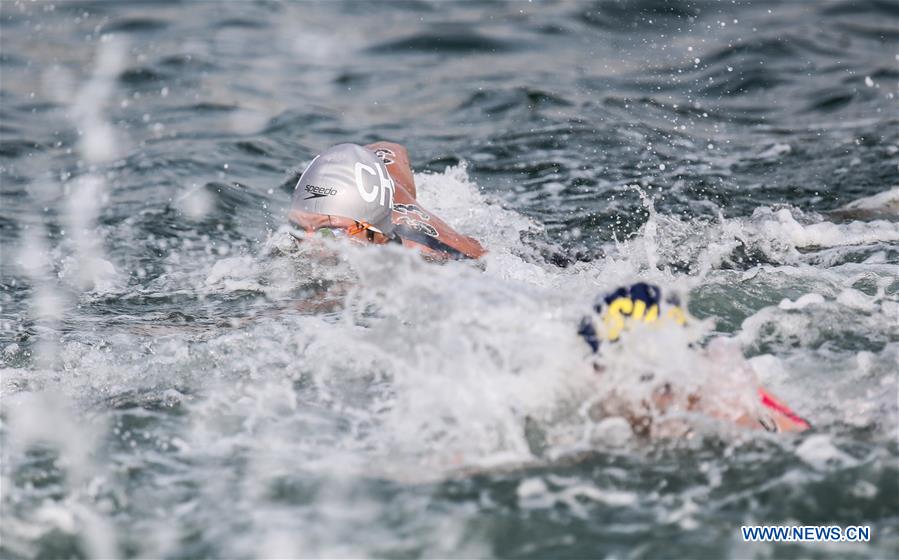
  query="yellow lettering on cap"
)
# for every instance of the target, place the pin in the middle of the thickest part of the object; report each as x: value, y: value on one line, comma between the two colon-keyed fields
x: 613, y: 319
x: 639, y: 309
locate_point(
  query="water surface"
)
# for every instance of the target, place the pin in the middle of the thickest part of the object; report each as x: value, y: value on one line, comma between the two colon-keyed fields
x: 173, y: 385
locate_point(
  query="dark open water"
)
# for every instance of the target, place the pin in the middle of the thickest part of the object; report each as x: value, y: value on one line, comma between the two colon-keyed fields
x: 164, y: 395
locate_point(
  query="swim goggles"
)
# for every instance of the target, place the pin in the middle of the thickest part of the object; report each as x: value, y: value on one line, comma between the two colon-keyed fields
x: 359, y: 231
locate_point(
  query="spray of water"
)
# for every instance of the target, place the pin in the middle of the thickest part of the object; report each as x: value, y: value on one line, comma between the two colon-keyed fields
x: 342, y: 375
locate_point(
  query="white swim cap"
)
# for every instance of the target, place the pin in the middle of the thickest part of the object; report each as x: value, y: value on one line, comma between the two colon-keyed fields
x: 350, y: 181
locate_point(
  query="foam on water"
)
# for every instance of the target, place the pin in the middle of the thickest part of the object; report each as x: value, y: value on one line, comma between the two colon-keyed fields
x: 417, y: 372
x: 179, y: 379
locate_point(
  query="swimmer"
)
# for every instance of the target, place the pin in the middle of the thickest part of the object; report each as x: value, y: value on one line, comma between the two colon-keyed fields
x: 641, y: 304
x: 367, y: 194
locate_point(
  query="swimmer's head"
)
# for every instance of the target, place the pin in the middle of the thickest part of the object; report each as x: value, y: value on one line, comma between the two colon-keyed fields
x: 624, y: 307
x: 346, y: 188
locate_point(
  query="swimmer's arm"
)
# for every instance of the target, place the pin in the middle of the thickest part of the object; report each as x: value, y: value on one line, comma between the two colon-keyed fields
x: 773, y: 415
x: 396, y: 159
x: 785, y: 420
x: 447, y: 243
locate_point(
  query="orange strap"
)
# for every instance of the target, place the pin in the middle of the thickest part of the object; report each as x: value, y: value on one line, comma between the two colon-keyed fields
x: 771, y: 403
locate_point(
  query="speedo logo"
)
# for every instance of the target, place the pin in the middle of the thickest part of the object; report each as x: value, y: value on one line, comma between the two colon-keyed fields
x: 318, y: 192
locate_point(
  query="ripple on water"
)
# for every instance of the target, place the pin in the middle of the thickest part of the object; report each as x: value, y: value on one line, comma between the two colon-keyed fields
x: 391, y: 407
